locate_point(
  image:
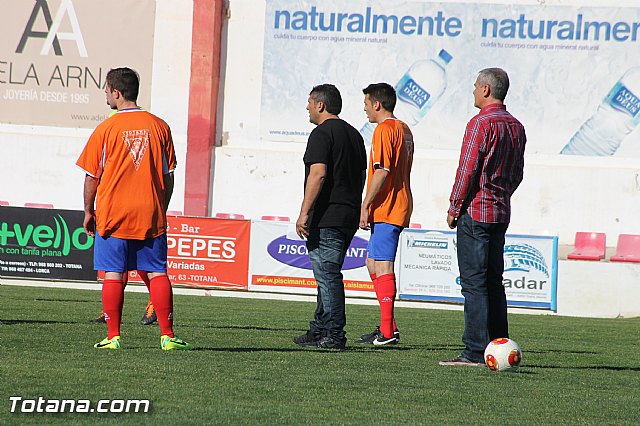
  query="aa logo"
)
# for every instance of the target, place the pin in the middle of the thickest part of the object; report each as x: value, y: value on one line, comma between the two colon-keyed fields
x: 53, y: 34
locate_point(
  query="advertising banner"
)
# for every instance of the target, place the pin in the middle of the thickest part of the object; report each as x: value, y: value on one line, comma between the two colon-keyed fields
x: 280, y: 262
x: 206, y: 252
x: 429, y: 268
x: 45, y: 244
x: 432, y: 52
x: 55, y: 55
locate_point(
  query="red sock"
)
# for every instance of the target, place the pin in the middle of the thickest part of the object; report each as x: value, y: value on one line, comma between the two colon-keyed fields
x: 375, y: 288
x: 112, y: 300
x: 373, y: 280
x: 145, y: 278
x: 162, y: 299
x: 386, y: 293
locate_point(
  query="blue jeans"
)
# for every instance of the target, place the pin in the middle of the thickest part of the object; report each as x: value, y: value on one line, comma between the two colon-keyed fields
x: 327, y: 248
x: 481, y: 263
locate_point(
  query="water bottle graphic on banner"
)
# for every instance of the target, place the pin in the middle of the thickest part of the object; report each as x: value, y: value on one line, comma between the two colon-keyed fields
x: 418, y: 89
x: 615, y: 118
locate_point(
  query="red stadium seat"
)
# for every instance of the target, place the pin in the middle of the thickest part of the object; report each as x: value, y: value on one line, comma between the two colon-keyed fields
x: 589, y: 246
x: 4, y: 203
x: 415, y: 226
x: 174, y: 213
x: 628, y: 249
x: 39, y: 205
x: 276, y: 218
x: 229, y: 216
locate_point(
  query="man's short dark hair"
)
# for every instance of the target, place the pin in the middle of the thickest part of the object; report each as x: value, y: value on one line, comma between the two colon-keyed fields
x: 126, y: 81
x: 383, y: 93
x: 497, y: 79
x: 329, y: 95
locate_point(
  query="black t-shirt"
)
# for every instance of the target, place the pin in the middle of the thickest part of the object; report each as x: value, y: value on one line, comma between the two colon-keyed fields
x: 338, y: 145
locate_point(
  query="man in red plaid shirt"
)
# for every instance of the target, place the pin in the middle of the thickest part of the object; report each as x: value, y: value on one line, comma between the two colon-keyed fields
x: 490, y: 170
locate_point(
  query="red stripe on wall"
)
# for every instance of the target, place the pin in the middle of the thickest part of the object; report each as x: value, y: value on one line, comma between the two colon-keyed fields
x: 203, y: 101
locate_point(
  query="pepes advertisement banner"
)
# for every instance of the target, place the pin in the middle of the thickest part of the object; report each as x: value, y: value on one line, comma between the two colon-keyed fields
x: 205, y: 252
x: 280, y: 262
x: 45, y: 244
x: 429, y: 268
x: 55, y: 55
x: 431, y: 53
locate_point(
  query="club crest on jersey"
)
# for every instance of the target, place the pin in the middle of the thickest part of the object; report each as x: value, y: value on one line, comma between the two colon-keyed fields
x: 137, y: 142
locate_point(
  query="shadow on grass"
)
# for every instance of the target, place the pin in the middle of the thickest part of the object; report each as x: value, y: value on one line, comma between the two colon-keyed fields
x: 93, y: 301
x: 240, y: 327
x: 562, y: 351
x: 308, y: 350
x: 28, y: 321
x: 593, y: 367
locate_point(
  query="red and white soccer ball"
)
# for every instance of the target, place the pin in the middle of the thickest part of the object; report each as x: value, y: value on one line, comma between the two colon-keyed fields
x: 502, y: 355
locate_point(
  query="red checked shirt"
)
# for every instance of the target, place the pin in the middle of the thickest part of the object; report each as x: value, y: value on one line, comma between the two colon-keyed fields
x: 491, y: 166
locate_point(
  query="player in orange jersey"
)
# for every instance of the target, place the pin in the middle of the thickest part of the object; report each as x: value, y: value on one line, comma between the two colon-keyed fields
x: 388, y: 203
x: 129, y: 162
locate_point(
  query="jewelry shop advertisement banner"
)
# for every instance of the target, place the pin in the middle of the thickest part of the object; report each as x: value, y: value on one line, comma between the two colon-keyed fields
x: 280, y: 262
x: 574, y: 71
x: 47, y: 244
x: 429, y: 268
x: 55, y: 55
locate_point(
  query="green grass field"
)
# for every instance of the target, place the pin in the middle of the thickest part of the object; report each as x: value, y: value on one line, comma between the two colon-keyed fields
x: 246, y: 370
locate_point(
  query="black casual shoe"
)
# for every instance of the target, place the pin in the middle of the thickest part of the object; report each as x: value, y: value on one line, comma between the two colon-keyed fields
x: 100, y: 320
x: 370, y: 337
x: 307, y: 339
x: 462, y: 361
x: 149, y: 316
x: 329, y: 343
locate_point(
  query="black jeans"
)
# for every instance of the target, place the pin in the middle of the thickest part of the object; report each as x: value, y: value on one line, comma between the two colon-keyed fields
x: 481, y: 263
x: 327, y: 248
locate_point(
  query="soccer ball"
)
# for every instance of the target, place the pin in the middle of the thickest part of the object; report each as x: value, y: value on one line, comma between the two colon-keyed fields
x: 502, y: 355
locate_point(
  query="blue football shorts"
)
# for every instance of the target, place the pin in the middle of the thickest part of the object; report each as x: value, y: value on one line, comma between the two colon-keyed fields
x: 111, y: 254
x: 383, y: 243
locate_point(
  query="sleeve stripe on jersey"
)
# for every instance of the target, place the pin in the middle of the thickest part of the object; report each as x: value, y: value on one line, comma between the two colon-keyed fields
x: 378, y: 166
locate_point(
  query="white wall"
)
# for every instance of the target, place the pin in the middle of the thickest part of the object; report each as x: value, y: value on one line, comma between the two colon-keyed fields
x: 559, y: 196
x: 38, y: 163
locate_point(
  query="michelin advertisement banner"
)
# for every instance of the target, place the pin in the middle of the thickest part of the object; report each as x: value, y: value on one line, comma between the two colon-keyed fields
x: 55, y: 55
x: 429, y: 268
x: 574, y: 71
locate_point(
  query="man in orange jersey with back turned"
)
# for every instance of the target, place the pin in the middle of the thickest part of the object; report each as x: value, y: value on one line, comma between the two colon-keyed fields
x: 129, y: 162
x: 388, y: 203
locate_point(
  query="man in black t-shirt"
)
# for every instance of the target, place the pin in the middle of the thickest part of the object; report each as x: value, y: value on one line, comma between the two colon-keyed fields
x: 335, y: 166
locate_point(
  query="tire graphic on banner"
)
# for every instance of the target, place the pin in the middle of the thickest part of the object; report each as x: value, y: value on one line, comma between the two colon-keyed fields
x: 523, y: 257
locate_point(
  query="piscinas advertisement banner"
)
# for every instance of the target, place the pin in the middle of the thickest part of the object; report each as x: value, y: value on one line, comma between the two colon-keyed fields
x: 45, y: 244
